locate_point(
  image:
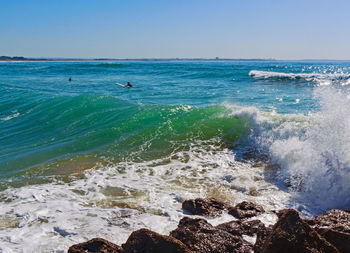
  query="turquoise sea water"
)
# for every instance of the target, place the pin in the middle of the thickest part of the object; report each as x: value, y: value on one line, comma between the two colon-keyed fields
x: 186, y: 127
x: 44, y: 117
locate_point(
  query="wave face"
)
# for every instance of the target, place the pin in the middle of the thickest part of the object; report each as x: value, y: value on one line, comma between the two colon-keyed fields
x: 79, y: 158
x: 103, y: 126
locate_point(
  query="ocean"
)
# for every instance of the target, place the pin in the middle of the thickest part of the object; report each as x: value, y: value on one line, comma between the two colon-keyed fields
x: 87, y: 158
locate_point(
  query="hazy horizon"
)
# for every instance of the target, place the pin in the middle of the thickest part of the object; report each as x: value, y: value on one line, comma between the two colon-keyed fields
x: 298, y: 30
x: 169, y: 58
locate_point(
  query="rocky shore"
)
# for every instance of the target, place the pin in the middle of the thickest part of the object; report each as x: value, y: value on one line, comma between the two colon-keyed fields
x: 329, y: 232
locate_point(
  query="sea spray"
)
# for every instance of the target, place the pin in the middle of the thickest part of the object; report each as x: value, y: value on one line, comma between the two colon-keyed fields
x: 318, y: 162
x: 312, y: 151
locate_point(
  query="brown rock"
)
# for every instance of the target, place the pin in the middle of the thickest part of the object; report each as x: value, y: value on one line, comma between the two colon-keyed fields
x: 246, y: 210
x: 206, y: 207
x: 293, y: 235
x: 200, y: 236
x: 335, y: 219
x: 147, y: 241
x: 95, y: 245
x: 334, y: 226
x: 261, y: 236
x: 242, y: 227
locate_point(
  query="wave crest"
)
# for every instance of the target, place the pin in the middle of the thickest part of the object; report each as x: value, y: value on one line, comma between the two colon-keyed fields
x: 312, y: 151
x: 320, y: 78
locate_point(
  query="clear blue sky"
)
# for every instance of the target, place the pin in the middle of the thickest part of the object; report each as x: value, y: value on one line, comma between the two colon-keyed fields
x: 282, y: 29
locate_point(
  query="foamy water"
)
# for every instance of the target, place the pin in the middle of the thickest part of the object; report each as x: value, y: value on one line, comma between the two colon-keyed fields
x: 86, y: 158
x: 113, y: 201
x: 9, y: 117
x: 318, y: 162
x: 312, y: 151
x: 324, y: 79
x: 110, y: 204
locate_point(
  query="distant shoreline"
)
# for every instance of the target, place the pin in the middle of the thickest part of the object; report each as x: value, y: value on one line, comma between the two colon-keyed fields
x: 24, y: 59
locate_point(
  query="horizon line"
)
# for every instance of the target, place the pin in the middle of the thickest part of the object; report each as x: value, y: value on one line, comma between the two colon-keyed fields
x: 21, y: 58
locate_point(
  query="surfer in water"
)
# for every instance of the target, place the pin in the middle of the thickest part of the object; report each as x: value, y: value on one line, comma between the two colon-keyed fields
x: 128, y: 85
x: 70, y: 79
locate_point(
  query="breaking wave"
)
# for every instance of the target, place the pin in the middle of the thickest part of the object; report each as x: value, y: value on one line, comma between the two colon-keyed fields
x: 312, y: 151
x: 319, y: 78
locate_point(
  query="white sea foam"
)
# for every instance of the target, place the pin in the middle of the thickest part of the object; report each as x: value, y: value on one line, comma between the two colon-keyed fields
x: 318, y: 162
x: 313, y: 151
x: 9, y: 117
x: 322, y: 79
x: 111, y: 202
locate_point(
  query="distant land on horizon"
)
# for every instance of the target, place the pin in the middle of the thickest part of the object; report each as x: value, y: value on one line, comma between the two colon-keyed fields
x: 21, y: 58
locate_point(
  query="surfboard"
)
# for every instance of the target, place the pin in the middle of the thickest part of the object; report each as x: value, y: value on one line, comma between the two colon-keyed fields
x: 120, y: 84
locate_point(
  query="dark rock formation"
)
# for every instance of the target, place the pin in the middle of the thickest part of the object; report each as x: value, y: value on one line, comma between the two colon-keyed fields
x: 334, y: 226
x: 261, y: 236
x: 242, y: 227
x: 246, y: 210
x: 205, y: 207
x: 200, y: 236
x: 335, y: 219
x: 326, y: 233
x: 147, y: 241
x: 293, y: 235
x: 95, y: 245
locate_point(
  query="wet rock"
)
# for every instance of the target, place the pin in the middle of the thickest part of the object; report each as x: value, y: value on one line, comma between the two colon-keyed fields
x: 340, y: 240
x: 335, y: 219
x: 261, y: 236
x: 147, y: 241
x: 200, y: 236
x: 206, y: 207
x: 246, y: 210
x: 95, y: 245
x: 293, y: 235
x: 334, y: 226
x: 242, y: 227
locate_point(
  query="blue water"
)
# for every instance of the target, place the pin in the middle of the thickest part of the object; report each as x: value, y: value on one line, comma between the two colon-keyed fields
x: 46, y: 121
x: 172, y: 83
x: 94, y: 159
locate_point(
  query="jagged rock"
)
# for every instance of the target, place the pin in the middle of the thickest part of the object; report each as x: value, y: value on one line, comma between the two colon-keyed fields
x: 340, y: 240
x: 293, y: 235
x: 95, y: 245
x: 335, y: 219
x: 200, y: 236
x: 147, y: 241
x: 246, y: 210
x: 261, y: 236
x: 206, y: 207
x: 334, y: 226
x: 242, y: 227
